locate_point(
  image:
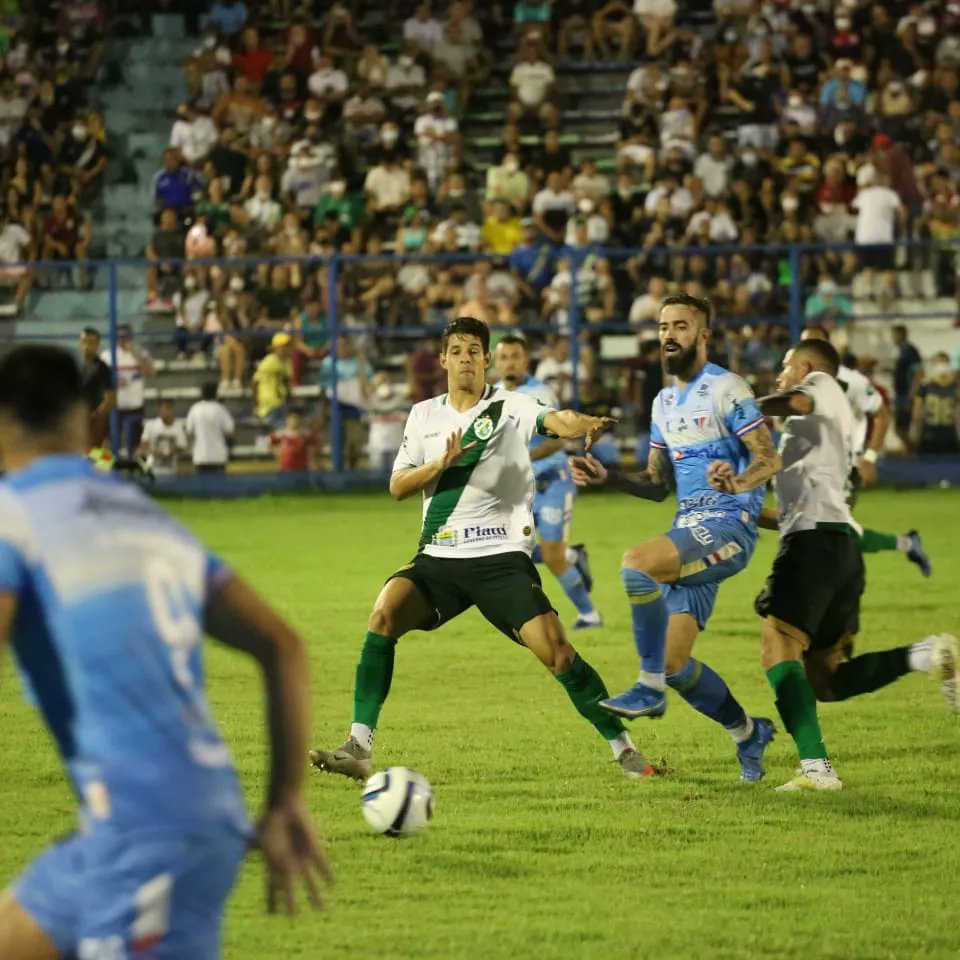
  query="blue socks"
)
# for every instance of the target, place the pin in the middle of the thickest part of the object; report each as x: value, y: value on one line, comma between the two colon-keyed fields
x: 648, y: 610
x: 707, y: 692
x: 537, y: 555
x: 573, y: 585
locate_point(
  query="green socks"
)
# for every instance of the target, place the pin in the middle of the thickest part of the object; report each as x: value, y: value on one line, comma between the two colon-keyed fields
x: 797, y: 707
x: 586, y: 690
x: 873, y: 541
x: 374, y: 673
x: 869, y: 672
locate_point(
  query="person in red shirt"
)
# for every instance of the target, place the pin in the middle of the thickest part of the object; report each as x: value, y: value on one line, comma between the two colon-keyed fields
x: 253, y: 60
x: 424, y: 374
x: 292, y: 445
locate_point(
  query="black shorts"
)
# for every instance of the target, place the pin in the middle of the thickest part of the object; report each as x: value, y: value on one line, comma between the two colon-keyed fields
x: 878, y: 256
x: 505, y: 588
x: 815, y: 585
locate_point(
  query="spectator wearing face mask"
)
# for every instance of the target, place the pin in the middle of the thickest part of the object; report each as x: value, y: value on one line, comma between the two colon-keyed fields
x: 261, y: 207
x: 190, y: 304
x: 83, y: 159
x: 193, y: 133
x: 507, y: 182
x: 387, y: 187
x: 438, y: 139
x: 754, y: 96
x: 388, y: 409
x: 406, y: 80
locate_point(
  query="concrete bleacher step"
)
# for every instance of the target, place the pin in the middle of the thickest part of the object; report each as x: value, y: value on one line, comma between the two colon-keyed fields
x: 90, y: 305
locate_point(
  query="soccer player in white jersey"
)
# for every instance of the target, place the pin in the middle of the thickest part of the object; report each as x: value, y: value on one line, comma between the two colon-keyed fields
x: 811, y: 601
x: 467, y: 452
x: 708, y: 416
x: 556, y: 491
x: 865, y: 402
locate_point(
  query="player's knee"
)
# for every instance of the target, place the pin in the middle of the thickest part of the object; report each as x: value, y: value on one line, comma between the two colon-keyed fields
x: 675, y: 662
x: 822, y: 688
x: 383, y: 620
x: 639, y: 559
x: 563, y: 657
x: 554, y: 556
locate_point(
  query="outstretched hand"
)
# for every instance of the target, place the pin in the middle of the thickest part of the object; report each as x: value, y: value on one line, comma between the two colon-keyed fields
x: 597, y: 426
x: 289, y: 844
x: 588, y: 471
x: 454, y: 452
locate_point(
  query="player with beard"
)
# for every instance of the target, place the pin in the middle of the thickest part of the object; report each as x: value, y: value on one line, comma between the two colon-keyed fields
x: 709, y: 442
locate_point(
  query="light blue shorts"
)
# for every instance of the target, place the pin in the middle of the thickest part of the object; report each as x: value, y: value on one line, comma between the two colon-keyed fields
x: 553, y: 508
x: 710, y: 551
x: 131, y: 894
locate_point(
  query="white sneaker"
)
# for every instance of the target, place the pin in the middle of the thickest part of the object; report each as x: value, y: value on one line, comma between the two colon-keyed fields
x: 812, y: 781
x: 945, y: 666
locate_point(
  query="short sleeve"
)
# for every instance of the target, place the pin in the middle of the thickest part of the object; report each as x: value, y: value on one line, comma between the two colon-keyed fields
x: 738, y: 406
x: 14, y: 540
x: 529, y: 413
x: 817, y: 386
x: 870, y: 400
x: 411, y: 452
x: 216, y: 574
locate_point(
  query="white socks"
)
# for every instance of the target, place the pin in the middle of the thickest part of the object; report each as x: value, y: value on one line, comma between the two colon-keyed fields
x: 743, y: 731
x: 571, y: 556
x: 920, y: 654
x: 362, y: 734
x: 655, y: 681
x: 903, y: 542
x: 621, y: 744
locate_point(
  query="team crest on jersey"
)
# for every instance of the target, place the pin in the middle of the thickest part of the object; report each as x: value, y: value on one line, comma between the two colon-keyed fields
x: 483, y: 428
x: 700, y: 418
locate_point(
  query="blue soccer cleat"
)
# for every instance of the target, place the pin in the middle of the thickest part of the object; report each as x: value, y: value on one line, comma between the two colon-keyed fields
x: 639, y: 701
x: 588, y: 622
x: 750, y: 752
x: 916, y: 554
x: 582, y: 563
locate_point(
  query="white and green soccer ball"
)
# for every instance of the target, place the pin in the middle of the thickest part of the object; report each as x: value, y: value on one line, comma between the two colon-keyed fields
x: 397, y: 802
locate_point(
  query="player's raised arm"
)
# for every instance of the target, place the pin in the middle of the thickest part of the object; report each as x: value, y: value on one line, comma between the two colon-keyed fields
x: 571, y: 425
x: 654, y: 483
x: 237, y: 617
x: 791, y: 403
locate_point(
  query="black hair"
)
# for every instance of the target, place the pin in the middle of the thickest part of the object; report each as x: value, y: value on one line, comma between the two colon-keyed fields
x: 823, y: 353
x: 699, y: 305
x: 208, y: 391
x: 514, y: 339
x: 91, y: 332
x: 822, y: 332
x: 39, y: 385
x: 899, y: 328
x: 466, y: 327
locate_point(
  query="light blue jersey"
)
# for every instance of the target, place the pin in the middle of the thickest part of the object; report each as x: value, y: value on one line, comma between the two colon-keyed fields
x: 556, y: 461
x: 111, y: 598
x: 706, y: 421
x: 715, y: 533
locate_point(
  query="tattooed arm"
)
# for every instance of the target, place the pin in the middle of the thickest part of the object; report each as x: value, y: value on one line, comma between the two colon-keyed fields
x: 654, y: 483
x: 764, y: 463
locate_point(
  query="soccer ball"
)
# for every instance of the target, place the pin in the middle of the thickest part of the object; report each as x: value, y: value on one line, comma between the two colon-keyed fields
x: 397, y: 802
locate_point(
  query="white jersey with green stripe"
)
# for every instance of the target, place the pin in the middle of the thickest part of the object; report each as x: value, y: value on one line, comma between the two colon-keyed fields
x: 482, y: 505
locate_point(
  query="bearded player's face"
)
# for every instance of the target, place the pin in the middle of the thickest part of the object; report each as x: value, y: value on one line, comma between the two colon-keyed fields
x: 683, y: 340
x: 511, y: 362
x: 465, y: 362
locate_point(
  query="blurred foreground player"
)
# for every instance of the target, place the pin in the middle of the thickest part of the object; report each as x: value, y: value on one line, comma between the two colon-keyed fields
x: 467, y: 452
x: 104, y: 600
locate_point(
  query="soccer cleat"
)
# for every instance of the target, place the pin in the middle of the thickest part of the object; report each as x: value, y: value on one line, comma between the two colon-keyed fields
x: 588, y: 623
x: 350, y: 760
x: 750, y: 752
x: 635, y: 764
x: 916, y: 554
x: 582, y: 563
x: 812, y: 782
x: 639, y: 701
x: 945, y: 666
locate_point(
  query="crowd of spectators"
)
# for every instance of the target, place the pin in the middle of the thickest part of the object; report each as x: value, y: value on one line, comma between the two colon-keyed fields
x: 52, y: 145
x: 743, y: 123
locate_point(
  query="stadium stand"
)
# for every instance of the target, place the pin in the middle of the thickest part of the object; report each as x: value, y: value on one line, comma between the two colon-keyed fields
x: 564, y: 144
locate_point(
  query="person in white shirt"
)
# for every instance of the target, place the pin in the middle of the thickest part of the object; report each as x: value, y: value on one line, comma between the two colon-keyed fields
x: 879, y: 210
x: 261, y: 207
x: 590, y: 184
x: 193, y: 133
x: 646, y: 307
x: 438, y: 139
x: 209, y: 427
x: 713, y: 167
x: 406, y: 80
x: 387, y: 186
x: 327, y: 83
x: 423, y: 29
x: 363, y: 114
x: 133, y: 365
x: 533, y: 83
x: 164, y: 439
x: 16, y: 247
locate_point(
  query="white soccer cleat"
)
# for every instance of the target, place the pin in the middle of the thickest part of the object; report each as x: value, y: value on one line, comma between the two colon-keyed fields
x: 812, y: 781
x: 945, y: 666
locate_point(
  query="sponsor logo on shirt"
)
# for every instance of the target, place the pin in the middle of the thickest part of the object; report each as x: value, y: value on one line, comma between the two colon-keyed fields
x: 699, y: 516
x: 703, y: 390
x: 467, y: 536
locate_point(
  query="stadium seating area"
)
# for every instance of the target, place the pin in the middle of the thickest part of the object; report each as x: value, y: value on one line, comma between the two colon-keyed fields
x: 557, y: 139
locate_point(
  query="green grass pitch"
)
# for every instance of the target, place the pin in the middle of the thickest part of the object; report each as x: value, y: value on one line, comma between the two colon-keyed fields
x: 540, y: 847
